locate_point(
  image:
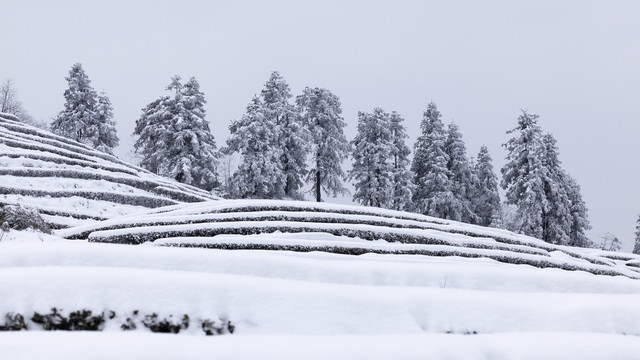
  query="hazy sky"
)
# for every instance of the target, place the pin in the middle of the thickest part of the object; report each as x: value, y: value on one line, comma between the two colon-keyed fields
x: 576, y: 63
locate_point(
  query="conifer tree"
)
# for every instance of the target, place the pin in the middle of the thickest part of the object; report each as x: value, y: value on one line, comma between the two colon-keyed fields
x: 522, y: 176
x: 433, y: 187
x: 174, y: 138
x: 636, y: 246
x: 579, y: 221
x: 557, y: 217
x: 259, y: 174
x: 462, y: 178
x: 103, y: 130
x: 371, y: 160
x: 321, y: 114
x: 293, y: 137
x: 87, y: 117
x: 79, y: 109
x: 401, y: 178
x: 486, y: 196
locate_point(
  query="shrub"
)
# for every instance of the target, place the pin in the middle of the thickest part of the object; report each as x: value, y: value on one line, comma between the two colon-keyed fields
x: 77, y: 320
x: 21, y: 217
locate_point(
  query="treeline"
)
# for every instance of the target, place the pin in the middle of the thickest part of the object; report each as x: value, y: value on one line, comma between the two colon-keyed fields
x: 285, y: 143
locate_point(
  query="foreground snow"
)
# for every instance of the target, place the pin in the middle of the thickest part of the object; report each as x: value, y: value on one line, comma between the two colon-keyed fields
x: 504, y: 346
x: 313, y: 305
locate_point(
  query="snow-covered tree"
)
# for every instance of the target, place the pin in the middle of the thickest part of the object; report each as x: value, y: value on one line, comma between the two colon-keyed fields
x: 431, y: 175
x: 523, y: 178
x: 579, y: 219
x: 321, y: 113
x: 462, y: 178
x: 610, y: 242
x: 486, y: 197
x: 293, y: 137
x: 636, y: 246
x: 87, y: 117
x: 255, y: 138
x: 174, y: 138
x: 401, y: 179
x: 548, y: 200
x: 372, y: 168
x: 102, y: 130
x: 11, y: 104
x: 79, y: 109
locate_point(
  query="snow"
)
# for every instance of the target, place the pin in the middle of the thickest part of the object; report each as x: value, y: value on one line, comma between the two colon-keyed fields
x: 315, y: 305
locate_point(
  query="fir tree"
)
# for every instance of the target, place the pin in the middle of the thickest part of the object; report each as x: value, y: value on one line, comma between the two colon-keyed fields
x: 79, y: 109
x: 401, y: 178
x: 557, y: 217
x: 486, y: 196
x: 636, y: 247
x: 175, y: 139
x: 522, y: 176
x: 433, y: 187
x: 321, y: 113
x: 293, y: 137
x: 462, y: 178
x: 103, y: 131
x: 255, y: 137
x: 578, y: 212
x: 371, y: 160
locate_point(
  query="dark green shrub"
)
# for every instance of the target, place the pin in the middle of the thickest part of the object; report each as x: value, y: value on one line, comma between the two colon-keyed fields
x: 212, y: 328
x: 77, y: 320
x: 21, y: 217
x: 166, y: 325
x: 13, y: 322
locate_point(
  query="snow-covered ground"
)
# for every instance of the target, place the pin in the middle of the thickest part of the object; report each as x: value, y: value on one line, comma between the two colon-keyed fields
x: 313, y: 304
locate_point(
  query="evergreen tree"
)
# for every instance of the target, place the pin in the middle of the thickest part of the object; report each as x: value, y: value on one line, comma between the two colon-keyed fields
x: 401, y: 178
x: 103, y: 130
x: 79, y: 109
x: 522, y: 176
x: 579, y: 219
x: 293, y: 137
x: 255, y: 137
x: 548, y: 200
x: 636, y: 247
x: 462, y: 178
x: 371, y: 159
x: 175, y: 139
x: 321, y: 113
x: 433, y: 187
x: 486, y: 196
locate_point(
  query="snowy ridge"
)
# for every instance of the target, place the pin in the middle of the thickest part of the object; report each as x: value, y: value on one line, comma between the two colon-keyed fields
x: 71, y: 184
x: 342, y: 229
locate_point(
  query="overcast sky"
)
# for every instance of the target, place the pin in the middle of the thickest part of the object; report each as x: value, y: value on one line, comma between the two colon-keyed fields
x: 575, y: 63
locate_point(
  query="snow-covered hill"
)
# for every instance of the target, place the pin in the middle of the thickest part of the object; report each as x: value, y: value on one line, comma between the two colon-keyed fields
x: 282, y: 279
x: 71, y: 184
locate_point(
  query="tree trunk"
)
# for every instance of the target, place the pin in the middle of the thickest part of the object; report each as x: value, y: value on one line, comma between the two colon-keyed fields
x: 318, y: 187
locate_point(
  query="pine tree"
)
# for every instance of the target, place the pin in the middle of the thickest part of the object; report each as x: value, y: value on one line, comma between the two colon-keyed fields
x: 522, y: 176
x: 79, y: 109
x: 433, y: 187
x: 401, y: 178
x: 462, y: 178
x: 579, y: 219
x: 371, y: 160
x: 486, y: 196
x: 321, y: 113
x: 255, y: 137
x: 175, y: 139
x: 293, y: 137
x: 103, y: 130
x: 557, y: 219
x: 636, y: 247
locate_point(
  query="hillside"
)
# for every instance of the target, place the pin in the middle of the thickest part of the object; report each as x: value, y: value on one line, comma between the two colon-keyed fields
x: 71, y: 184
x: 135, y: 255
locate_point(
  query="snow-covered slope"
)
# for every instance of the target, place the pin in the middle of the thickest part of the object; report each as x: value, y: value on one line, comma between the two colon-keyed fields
x: 71, y: 184
x: 306, y: 226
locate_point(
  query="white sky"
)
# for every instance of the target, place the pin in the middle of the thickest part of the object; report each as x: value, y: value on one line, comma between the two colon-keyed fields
x: 576, y: 63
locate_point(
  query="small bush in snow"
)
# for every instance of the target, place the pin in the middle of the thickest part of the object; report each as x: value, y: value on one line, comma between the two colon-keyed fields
x: 213, y: 328
x: 13, y: 322
x: 77, y: 320
x: 166, y: 325
x: 21, y: 217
